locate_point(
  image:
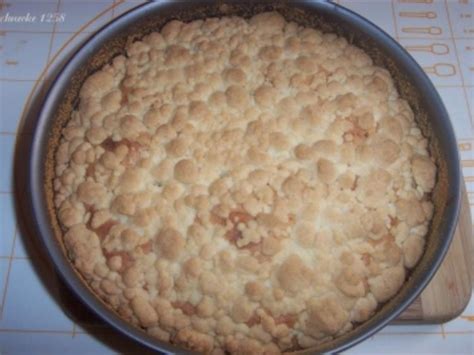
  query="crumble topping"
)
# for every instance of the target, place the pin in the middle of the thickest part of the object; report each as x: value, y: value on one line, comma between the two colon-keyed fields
x: 243, y: 186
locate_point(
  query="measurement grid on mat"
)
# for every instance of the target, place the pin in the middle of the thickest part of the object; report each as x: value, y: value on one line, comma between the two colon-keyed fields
x: 438, y: 33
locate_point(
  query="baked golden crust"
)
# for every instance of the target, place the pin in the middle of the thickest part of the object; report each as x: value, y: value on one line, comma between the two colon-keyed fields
x: 243, y: 186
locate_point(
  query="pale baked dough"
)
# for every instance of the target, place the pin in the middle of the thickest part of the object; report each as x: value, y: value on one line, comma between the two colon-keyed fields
x: 243, y: 186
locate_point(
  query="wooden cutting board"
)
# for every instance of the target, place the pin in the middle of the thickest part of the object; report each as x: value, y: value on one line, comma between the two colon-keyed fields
x: 443, y: 299
x: 449, y: 291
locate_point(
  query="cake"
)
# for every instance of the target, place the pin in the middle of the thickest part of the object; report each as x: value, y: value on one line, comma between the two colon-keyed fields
x: 236, y: 185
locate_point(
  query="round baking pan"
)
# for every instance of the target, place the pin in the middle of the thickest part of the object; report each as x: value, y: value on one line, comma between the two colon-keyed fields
x: 411, y: 82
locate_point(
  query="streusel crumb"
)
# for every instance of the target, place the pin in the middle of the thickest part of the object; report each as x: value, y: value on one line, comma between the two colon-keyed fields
x: 243, y: 186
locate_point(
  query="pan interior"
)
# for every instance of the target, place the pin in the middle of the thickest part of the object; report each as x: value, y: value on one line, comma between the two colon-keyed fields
x: 326, y: 17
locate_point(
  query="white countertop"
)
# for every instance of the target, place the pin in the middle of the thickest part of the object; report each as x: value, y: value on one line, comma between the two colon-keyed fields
x: 32, y: 320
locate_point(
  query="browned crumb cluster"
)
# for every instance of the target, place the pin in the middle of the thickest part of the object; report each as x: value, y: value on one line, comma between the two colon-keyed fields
x: 243, y: 186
